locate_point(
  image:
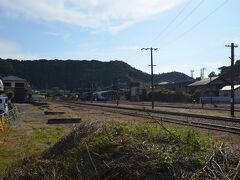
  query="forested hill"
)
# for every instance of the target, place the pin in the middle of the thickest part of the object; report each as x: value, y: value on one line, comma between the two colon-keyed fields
x: 173, y: 77
x: 71, y: 73
x: 76, y: 73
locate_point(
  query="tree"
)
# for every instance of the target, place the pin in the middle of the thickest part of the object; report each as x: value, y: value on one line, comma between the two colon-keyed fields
x: 9, y: 93
x: 211, y: 75
x: 224, y: 69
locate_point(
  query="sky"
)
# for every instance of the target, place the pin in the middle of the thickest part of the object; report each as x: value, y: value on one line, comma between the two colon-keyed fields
x: 189, y: 34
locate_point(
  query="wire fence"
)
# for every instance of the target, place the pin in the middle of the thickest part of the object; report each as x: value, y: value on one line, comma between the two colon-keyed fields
x: 8, y: 119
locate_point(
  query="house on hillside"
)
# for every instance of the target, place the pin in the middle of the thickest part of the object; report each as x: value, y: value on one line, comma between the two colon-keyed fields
x: 20, y: 87
x: 208, y: 86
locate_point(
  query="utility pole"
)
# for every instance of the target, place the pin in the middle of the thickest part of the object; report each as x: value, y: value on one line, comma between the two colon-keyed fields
x: 192, y: 71
x: 117, y: 92
x: 151, y: 49
x: 232, y: 46
x: 202, y: 72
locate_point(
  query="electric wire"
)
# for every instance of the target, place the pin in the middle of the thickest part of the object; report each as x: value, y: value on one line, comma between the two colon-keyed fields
x: 197, y: 24
x: 172, y: 21
x: 184, y: 19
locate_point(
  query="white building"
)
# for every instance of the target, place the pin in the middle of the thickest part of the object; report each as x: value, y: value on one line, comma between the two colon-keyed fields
x: 226, y: 91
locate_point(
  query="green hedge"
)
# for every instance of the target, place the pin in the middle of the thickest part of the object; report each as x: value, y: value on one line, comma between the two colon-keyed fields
x: 174, y: 96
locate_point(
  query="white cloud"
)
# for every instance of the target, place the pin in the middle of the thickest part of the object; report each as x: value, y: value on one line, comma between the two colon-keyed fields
x: 111, y: 15
x: 14, y: 51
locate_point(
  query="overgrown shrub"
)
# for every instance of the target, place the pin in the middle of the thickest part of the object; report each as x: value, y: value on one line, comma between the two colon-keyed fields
x: 146, y: 151
x: 171, y: 96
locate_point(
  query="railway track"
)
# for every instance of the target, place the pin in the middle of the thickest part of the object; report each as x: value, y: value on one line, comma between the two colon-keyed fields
x: 224, y: 124
x: 184, y: 106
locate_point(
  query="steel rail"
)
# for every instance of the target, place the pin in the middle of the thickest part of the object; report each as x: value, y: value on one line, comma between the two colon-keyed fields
x: 177, y: 106
x: 219, y: 118
x: 147, y: 113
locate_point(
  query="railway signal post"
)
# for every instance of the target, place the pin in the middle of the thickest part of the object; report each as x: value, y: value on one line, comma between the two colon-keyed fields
x: 151, y: 49
x: 232, y: 46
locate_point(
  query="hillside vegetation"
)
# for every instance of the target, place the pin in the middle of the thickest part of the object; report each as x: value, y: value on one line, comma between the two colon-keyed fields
x: 173, y: 77
x: 76, y: 74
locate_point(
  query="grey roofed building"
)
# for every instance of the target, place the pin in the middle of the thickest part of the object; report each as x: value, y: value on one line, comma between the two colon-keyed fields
x: 21, y: 88
x: 226, y: 91
x: 228, y: 88
x: 203, y: 82
x: 12, y: 78
x: 207, y: 86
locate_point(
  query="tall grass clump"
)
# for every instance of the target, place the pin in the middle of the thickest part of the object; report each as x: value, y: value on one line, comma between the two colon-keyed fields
x: 120, y: 151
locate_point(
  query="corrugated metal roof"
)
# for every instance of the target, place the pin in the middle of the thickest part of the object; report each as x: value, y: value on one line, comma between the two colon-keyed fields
x: 228, y: 88
x: 203, y: 81
x: 12, y: 78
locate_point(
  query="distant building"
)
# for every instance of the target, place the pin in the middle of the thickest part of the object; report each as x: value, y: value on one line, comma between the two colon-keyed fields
x: 207, y: 86
x: 20, y: 87
x: 172, y: 86
x: 138, y: 91
x: 163, y: 86
x: 226, y: 91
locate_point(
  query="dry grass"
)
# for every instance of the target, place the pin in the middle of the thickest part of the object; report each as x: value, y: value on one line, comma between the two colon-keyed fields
x: 31, y: 137
x: 121, y: 151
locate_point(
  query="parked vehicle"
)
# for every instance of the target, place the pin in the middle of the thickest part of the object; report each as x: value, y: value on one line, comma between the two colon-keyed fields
x: 1, y: 86
x: 101, y: 95
x: 106, y: 95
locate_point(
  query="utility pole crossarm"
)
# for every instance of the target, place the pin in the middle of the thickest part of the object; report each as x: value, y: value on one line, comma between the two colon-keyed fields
x: 231, y: 45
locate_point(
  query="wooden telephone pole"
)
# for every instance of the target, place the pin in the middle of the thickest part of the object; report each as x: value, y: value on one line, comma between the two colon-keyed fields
x: 151, y: 49
x: 232, y: 46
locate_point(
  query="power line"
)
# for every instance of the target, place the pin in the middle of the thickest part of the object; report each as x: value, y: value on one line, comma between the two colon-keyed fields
x: 184, y: 19
x: 171, y: 22
x: 197, y: 24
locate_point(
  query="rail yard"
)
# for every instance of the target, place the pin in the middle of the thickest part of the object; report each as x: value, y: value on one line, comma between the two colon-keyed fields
x: 220, y: 123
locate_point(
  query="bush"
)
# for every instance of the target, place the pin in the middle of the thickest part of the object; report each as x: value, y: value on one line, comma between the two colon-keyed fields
x: 196, y: 96
x: 171, y: 96
x: 71, y: 96
x: 9, y: 93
